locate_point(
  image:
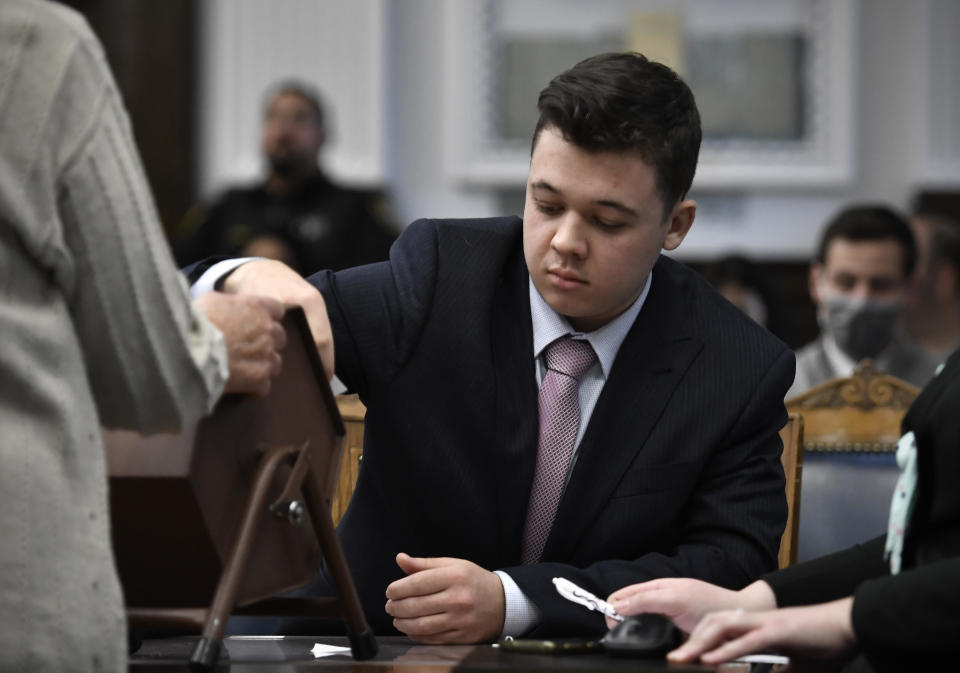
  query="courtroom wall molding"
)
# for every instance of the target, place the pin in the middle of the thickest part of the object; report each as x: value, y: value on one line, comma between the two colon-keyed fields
x: 822, y: 156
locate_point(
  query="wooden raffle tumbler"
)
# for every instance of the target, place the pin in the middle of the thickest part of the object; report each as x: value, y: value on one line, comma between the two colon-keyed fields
x: 235, y: 510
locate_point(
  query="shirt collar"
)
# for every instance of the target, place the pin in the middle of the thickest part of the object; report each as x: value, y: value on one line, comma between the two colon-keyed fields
x: 841, y: 363
x: 548, y: 326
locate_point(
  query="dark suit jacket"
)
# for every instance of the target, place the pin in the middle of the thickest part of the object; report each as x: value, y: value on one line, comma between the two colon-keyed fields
x: 325, y: 225
x: 679, y: 470
x: 914, y: 616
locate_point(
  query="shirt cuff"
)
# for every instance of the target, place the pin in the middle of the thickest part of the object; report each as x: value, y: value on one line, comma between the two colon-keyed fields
x: 208, y: 281
x: 520, y: 613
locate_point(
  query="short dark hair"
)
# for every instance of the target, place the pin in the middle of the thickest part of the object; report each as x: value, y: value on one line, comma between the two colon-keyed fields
x: 942, y: 210
x: 863, y: 223
x: 301, y: 89
x: 624, y: 101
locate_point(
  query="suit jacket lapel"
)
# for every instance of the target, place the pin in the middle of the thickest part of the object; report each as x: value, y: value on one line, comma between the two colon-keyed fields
x: 516, y: 407
x: 650, y: 363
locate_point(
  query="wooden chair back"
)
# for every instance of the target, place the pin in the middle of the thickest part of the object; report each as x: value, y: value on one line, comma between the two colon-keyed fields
x: 792, y: 459
x: 850, y: 431
x: 353, y: 413
x: 861, y: 413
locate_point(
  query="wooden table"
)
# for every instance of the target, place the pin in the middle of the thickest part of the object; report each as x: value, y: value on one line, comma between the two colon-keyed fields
x: 293, y: 653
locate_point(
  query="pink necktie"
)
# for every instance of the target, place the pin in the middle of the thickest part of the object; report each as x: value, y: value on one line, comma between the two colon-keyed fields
x: 567, y: 359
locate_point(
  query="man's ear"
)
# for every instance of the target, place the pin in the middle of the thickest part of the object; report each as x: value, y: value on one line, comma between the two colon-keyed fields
x: 680, y: 221
x: 813, y: 283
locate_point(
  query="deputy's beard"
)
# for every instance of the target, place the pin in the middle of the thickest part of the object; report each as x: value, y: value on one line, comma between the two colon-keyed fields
x: 862, y: 328
x: 289, y: 165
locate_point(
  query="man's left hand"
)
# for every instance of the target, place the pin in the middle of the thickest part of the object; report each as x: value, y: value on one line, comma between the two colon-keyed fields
x: 446, y: 600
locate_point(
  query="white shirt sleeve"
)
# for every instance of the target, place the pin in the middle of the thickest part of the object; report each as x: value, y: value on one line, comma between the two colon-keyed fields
x: 207, y: 282
x: 520, y: 613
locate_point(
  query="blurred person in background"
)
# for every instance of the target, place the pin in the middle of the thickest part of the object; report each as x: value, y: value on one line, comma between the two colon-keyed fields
x: 297, y: 214
x: 932, y: 306
x: 858, y: 282
x: 747, y: 287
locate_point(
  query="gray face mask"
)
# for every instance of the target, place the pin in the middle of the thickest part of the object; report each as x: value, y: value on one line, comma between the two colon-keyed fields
x: 861, y: 327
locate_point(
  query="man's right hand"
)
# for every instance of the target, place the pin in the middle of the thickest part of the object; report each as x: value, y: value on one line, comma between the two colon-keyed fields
x: 274, y: 279
x: 254, y: 335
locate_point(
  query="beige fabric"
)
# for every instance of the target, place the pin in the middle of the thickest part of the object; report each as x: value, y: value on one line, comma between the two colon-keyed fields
x: 94, y: 317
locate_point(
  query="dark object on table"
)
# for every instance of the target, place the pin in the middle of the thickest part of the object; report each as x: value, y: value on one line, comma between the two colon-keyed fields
x: 235, y: 510
x: 643, y: 635
x: 550, y: 646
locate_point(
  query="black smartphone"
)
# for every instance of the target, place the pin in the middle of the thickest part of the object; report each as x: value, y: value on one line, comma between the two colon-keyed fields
x: 550, y: 646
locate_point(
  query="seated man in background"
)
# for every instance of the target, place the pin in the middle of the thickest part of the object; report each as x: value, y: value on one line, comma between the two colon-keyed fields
x: 863, y: 267
x: 551, y: 396
x: 297, y: 214
x: 932, y: 308
x: 893, y: 602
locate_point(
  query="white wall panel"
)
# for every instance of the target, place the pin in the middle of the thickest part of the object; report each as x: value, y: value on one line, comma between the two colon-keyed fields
x: 387, y: 65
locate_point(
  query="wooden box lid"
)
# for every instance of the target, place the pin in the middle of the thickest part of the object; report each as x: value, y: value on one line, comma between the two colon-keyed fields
x: 176, y: 501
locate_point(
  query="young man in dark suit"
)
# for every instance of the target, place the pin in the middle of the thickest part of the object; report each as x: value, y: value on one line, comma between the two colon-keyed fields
x: 674, y: 465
